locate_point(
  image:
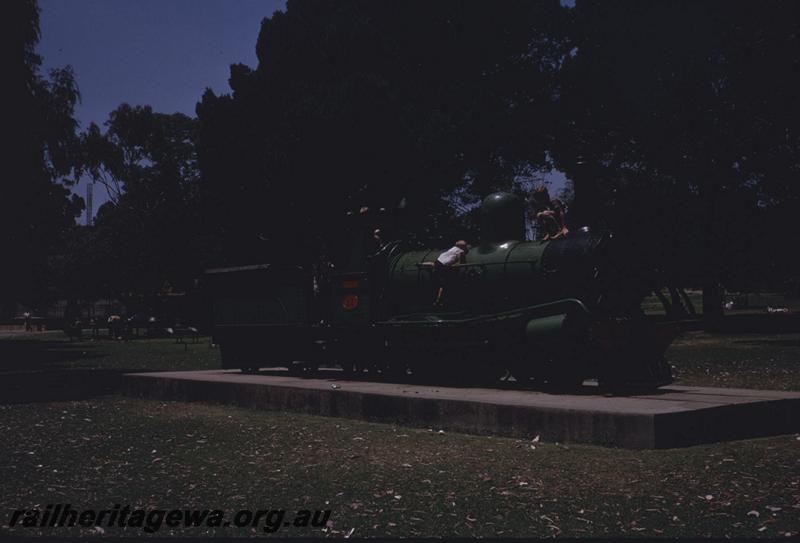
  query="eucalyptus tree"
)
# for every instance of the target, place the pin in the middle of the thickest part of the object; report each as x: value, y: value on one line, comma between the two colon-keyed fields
x: 41, y: 159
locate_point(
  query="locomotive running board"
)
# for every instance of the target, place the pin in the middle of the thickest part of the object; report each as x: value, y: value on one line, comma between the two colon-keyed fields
x: 566, y: 305
x: 673, y: 416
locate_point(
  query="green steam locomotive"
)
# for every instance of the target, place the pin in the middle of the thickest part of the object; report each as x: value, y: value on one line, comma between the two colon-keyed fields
x: 554, y: 313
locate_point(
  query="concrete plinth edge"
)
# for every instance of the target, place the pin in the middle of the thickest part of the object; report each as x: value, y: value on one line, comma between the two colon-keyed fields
x: 673, y: 417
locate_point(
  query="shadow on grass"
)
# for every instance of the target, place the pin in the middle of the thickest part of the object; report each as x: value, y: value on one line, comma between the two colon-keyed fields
x: 45, y: 370
x: 41, y: 354
x: 58, y: 385
x: 769, y: 342
x: 763, y: 323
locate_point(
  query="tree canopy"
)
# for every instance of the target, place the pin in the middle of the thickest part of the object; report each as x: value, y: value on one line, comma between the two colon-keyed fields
x: 364, y: 103
x: 42, y: 152
x: 683, y: 128
x: 678, y: 124
x: 147, y: 162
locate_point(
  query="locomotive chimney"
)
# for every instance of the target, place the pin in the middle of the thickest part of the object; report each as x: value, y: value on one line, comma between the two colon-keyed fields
x: 502, y: 218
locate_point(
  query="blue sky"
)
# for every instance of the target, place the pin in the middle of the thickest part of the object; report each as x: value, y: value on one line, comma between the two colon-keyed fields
x: 162, y: 53
x: 158, y: 52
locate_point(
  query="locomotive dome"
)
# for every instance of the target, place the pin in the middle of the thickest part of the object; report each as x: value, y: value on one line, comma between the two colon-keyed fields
x: 502, y: 218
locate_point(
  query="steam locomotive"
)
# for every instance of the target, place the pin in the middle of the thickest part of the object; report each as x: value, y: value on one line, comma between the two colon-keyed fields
x: 547, y: 312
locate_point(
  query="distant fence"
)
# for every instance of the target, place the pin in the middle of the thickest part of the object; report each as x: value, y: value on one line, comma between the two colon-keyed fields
x: 38, y: 327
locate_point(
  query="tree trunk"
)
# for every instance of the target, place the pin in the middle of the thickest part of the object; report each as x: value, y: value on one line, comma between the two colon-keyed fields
x: 678, y: 309
x: 688, y: 302
x: 712, y: 303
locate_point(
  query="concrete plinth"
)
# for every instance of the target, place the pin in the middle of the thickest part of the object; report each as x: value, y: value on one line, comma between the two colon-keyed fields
x: 673, y: 416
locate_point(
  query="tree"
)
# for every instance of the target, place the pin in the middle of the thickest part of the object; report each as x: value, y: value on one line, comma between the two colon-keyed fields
x: 347, y: 107
x: 81, y: 268
x: 147, y: 162
x: 679, y: 127
x: 41, y: 150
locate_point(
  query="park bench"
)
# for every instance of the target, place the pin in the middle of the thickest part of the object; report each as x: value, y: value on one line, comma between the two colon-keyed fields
x: 184, y: 335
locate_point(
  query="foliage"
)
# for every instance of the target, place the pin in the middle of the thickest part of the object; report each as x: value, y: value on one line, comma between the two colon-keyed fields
x: 147, y: 162
x: 42, y: 158
x: 348, y: 107
x: 673, y: 120
x: 80, y: 267
x: 682, y: 131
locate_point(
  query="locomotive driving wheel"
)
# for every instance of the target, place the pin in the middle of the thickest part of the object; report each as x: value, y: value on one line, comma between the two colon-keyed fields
x: 473, y: 371
x: 554, y: 374
x: 522, y: 371
x: 518, y: 363
x: 349, y: 367
x: 295, y: 369
x: 563, y: 376
x: 394, y: 369
x: 429, y: 367
x: 391, y: 362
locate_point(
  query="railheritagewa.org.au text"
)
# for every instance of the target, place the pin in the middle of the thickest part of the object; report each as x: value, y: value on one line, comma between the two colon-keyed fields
x: 152, y: 520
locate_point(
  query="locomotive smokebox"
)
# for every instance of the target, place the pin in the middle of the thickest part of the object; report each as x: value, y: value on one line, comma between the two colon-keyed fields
x: 502, y: 218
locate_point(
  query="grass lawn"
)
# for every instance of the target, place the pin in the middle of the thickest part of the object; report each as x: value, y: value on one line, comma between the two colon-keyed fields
x: 387, y: 480
x: 53, y: 350
x: 766, y: 361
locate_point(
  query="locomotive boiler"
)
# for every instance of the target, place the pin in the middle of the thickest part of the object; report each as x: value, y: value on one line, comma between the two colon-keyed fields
x: 551, y: 312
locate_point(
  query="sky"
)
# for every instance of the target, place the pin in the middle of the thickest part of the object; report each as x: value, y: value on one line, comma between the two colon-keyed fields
x: 162, y: 53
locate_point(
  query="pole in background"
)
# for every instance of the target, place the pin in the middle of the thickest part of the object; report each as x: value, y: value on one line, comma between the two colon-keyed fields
x: 89, y: 214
